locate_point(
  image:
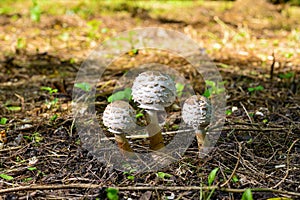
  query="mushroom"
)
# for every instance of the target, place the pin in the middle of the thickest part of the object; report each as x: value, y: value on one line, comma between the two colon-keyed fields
x: 119, y: 117
x: 196, y: 112
x: 154, y: 91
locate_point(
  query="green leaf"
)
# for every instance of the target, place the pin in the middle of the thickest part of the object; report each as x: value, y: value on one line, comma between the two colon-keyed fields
x: 112, y: 194
x: 179, y: 89
x: 130, y: 177
x: 212, y: 176
x: 54, y: 117
x: 46, y: 88
x: 49, y: 89
x: 14, y: 108
x: 235, y: 179
x: 3, y: 121
x: 222, y: 65
x: 287, y: 75
x: 37, y: 137
x: 257, y: 88
x: 139, y: 115
x: 163, y: 175
x: 207, y: 93
x: 228, y: 112
x: 21, y: 43
x: 32, y: 168
x: 84, y: 86
x: 120, y: 95
x: 247, y: 195
x: 27, y: 179
x: 6, y: 177
x: 35, y: 12
x: 288, y: 55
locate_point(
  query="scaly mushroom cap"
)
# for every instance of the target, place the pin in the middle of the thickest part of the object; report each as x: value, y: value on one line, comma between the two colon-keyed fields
x: 153, y: 90
x: 196, y: 111
x: 119, y: 117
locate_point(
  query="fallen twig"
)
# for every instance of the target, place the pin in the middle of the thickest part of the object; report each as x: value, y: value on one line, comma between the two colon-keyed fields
x: 287, y: 164
x: 131, y: 188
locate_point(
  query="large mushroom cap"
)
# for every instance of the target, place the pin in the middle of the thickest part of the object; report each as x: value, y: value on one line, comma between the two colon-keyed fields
x: 119, y: 117
x: 153, y: 90
x: 196, y: 111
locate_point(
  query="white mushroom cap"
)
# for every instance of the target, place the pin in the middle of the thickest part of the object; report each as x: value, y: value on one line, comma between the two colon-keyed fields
x: 153, y: 90
x: 196, y: 111
x: 119, y: 117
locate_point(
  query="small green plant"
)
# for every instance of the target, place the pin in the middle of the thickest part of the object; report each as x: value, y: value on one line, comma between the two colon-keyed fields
x: 287, y: 75
x: 129, y: 174
x: 35, y: 11
x: 163, y: 175
x: 247, y: 195
x: 36, y: 137
x: 112, y: 194
x: 211, y: 177
x: 120, y: 95
x: 53, y: 101
x: 27, y: 179
x: 84, y: 86
x: 228, y: 112
x: 179, y: 89
x: 6, y: 177
x: 257, y: 88
x: 213, y: 88
x: 13, y: 108
x: 3, y: 120
x: 139, y: 114
x: 19, y: 160
x: 93, y: 29
x: 288, y: 55
x: 235, y: 179
x: 21, y: 43
x: 49, y: 89
x: 32, y: 168
x: 54, y: 117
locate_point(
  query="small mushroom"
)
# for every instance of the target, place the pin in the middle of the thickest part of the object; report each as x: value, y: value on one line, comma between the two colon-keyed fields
x: 196, y: 112
x: 119, y: 117
x: 154, y: 91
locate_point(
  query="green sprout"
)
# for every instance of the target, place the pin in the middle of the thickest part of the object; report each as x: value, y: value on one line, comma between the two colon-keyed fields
x: 13, y: 108
x: 163, y: 175
x: 129, y: 174
x: 179, y: 89
x: 287, y: 75
x: 35, y: 11
x: 21, y: 43
x: 120, y: 95
x: 3, y: 120
x: 112, y: 194
x: 84, y: 86
x: 247, y: 195
x: 213, y: 88
x: 6, y: 177
x: 211, y: 177
x: 51, y: 91
x: 257, y: 88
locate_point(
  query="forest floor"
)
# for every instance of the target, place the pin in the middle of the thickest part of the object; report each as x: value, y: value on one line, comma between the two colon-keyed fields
x: 41, y: 153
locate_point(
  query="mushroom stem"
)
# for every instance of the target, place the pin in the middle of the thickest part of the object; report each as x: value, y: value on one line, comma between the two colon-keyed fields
x: 200, y: 136
x: 123, y: 143
x: 154, y: 131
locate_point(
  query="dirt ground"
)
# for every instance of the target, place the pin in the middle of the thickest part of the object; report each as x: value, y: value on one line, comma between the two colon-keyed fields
x: 255, y: 48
